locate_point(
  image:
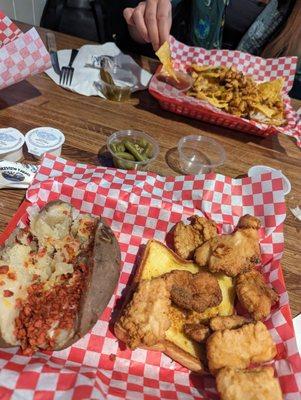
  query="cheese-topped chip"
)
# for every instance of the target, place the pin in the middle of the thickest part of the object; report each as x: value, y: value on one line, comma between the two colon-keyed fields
x: 164, y: 55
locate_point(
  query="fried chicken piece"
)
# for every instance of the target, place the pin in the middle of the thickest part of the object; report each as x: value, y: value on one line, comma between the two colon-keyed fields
x: 238, y: 348
x: 255, y: 384
x: 193, y: 317
x: 220, y: 323
x: 233, y: 253
x: 254, y: 294
x: 188, y: 237
x: 193, y: 291
x: 197, y: 332
x: 146, y: 318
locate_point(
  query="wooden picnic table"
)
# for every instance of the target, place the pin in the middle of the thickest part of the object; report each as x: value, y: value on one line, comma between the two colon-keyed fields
x: 88, y: 121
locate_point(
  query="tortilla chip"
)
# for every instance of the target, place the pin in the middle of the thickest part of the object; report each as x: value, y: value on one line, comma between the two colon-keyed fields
x: 164, y: 56
x: 204, y: 68
x: 267, y: 111
x: 271, y: 90
x: 212, y: 100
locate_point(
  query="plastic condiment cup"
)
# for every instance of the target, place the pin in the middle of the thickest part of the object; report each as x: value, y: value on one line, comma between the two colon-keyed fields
x: 119, y: 162
x: 124, y: 84
x: 262, y: 169
x: 44, y: 140
x: 200, y: 154
x: 11, y: 144
x: 183, y: 83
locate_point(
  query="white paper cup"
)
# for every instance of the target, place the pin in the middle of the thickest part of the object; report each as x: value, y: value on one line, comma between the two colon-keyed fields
x: 44, y: 140
x: 11, y: 144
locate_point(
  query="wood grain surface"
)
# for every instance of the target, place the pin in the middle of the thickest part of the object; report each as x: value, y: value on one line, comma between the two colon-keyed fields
x: 88, y: 121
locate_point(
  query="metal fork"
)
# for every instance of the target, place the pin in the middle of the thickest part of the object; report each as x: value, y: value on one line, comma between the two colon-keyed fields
x: 66, y: 75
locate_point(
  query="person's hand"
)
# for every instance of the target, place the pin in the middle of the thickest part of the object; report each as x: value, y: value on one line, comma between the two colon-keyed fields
x: 149, y: 22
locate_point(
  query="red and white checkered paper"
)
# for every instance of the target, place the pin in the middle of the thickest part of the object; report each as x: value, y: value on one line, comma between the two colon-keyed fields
x: 140, y: 206
x: 21, y: 54
x: 259, y: 68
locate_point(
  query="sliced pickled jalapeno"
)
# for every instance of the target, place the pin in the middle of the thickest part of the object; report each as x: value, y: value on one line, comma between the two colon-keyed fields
x: 131, y: 150
x: 106, y: 77
x: 125, y: 156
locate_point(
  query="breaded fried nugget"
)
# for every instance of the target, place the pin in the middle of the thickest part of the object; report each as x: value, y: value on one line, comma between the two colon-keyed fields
x: 188, y: 237
x: 254, y: 294
x: 238, y: 348
x: 197, y: 332
x: 146, y: 318
x: 233, y: 253
x: 255, y: 384
x: 220, y: 323
x: 193, y: 291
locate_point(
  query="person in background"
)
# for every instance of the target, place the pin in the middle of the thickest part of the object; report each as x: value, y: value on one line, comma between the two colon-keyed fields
x: 269, y: 28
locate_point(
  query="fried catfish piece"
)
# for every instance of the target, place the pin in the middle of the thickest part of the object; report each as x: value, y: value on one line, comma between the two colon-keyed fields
x: 221, y: 323
x: 233, y: 253
x: 193, y: 291
x: 254, y: 384
x: 197, y: 332
x: 254, y: 294
x: 238, y: 348
x: 188, y: 237
x: 146, y: 318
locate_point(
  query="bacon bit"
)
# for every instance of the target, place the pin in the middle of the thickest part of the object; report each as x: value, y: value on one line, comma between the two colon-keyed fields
x: 2, y: 283
x: 43, y: 308
x: 28, y: 352
x: 42, y: 252
x: 12, y: 276
x: 65, y: 212
x: 18, y: 303
x: 35, y: 277
x: 7, y: 293
x: 70, y: 251
x: 83, y: 268
x: 4, y: 269
x: 88, y: 226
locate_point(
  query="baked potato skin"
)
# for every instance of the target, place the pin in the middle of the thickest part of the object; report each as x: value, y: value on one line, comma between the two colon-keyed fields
x: 103, y: 259
x: 104, y: 275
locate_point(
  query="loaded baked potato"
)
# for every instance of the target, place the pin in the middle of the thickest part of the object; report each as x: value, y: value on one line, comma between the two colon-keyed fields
x: 56, y: 277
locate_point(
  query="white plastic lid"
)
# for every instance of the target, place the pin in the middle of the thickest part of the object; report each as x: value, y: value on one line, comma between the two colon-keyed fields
x: 10, y: 140
x: 261, y: 169
x: 43, y: 140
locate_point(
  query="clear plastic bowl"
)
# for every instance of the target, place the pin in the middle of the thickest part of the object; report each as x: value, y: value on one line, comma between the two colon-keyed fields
x: 200, y: 154
x: 124, y: 84
x: 184, y: 83
x: 135, y: 136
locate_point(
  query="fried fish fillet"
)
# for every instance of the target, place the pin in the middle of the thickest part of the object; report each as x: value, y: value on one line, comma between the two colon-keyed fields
x: 255, y: 384
x: 254, y: 294
x: 238, y: 348
x: 188, y: 237
x: 233, y: 253
x: 146, y: 317
x: 197, y: 332
x: 221, y: 323
x: 193, y: 291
